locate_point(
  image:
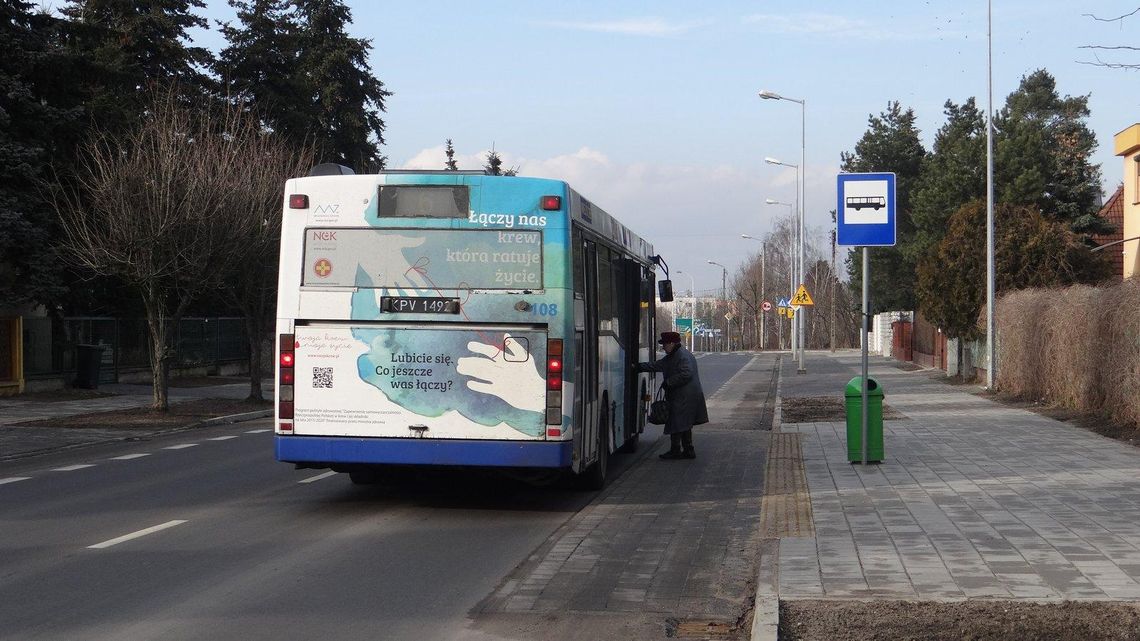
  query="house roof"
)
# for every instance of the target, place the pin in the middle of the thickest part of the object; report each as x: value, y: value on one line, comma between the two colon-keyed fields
x: 1113, y: 212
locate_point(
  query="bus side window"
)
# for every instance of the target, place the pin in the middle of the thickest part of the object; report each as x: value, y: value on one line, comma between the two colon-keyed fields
x: 579, y: 264
x: 605, y: 292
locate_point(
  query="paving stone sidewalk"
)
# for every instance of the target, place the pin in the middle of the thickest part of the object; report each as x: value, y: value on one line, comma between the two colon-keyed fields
x: 974, y: 500
x: 673, y: 538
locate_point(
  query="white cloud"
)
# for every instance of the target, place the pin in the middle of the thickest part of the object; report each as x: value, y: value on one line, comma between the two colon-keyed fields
x: 690, y: 213
x: 630, y: 27
x: 845, y: 28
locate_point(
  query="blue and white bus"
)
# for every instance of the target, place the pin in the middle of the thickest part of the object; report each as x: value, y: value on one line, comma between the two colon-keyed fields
x: 458, y: 319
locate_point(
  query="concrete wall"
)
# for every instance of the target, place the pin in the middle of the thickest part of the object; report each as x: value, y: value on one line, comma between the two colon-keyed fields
x: 881, y: 334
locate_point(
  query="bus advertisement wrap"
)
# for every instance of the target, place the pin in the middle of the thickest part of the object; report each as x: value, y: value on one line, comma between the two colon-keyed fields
x: 376, y: 382
x: 431, y: 258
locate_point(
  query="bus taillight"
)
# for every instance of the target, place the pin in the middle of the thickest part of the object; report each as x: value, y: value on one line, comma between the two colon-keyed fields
x: 554, y: 384
x: 285, y: 378
x: 298, y: 201
x: 551, y: 203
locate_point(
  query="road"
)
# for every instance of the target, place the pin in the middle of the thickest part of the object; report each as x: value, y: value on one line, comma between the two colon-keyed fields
x: 203, y: 535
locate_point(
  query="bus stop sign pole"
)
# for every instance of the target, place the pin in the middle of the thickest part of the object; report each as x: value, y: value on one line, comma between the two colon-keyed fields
x: 866, y: 337
x: 865, y: 218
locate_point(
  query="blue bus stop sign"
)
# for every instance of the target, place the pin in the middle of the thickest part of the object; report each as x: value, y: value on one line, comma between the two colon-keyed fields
x: 866, y: 210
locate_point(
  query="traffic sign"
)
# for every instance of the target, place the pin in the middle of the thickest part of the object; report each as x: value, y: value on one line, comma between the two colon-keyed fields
x: 766, y: 306
x: 791, y: 312
x: 782, y: 311
x: 783, y: 302
x: 802, y: 297
x: 866, y: 210
x: 684, y: 326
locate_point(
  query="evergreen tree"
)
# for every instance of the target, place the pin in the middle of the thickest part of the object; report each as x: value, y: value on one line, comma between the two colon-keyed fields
x: 258, y: 67
x: 346, y: 99
x: 450, y: 165
x: 494, y: 164
x: 1031, y: 250
x: 34, y: 131
x: 1042, y: 154
x: 954, y: 174
x: 890, y: 144
x: 130, y: 46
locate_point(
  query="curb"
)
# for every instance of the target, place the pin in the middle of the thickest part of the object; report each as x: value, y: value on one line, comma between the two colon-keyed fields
x: 766, y: 610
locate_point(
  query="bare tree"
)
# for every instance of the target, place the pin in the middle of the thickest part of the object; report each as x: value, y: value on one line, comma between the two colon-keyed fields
x: 257, y: 186
x: 1115, y: 49
x: 152, y: 208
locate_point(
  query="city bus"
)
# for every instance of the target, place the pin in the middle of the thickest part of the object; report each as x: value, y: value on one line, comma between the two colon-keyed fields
x: 458, y: 319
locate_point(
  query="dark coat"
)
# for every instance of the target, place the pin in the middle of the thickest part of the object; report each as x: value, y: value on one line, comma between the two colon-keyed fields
x: 682, y: 390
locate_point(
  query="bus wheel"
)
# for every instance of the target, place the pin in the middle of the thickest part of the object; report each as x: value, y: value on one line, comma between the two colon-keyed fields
x: 595, y: 477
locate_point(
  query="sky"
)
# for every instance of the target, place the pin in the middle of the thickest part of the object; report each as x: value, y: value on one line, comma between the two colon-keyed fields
x: 650, y: 108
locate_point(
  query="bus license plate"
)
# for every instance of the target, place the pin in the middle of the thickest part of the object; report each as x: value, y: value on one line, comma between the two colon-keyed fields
x: 419, y: 305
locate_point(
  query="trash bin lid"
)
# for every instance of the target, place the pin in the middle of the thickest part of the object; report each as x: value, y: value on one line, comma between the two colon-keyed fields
x: 855, y: 388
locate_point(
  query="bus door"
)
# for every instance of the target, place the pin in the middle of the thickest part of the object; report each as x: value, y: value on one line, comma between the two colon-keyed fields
x: 633, y: 339
x: 588, y: 357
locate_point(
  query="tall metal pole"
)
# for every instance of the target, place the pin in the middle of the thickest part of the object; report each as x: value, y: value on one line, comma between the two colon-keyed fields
x: 866, y: 329
x: 763, y: 296
x: 802, y: 199
x: 991, y: 328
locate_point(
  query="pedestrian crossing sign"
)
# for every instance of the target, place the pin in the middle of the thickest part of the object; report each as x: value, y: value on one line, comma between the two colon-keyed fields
x: 802, y: 297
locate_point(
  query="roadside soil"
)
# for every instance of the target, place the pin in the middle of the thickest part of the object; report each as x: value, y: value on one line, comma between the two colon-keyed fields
x: 180, y: 415
x: 823, y: 409
x: 961, y: 621
x: 57, y: 396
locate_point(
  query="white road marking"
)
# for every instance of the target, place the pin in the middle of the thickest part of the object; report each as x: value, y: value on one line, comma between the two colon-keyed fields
x: 13, y: 479
x: 127, y: 457
x: 181, y: 447
x: 226, y: 438
x: 135, y: 535
x: 72, y: 468
x: 318, y: 477
x: 268, y: 429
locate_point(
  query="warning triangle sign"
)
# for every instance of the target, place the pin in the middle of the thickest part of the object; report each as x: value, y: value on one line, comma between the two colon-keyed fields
x: 802, y: 297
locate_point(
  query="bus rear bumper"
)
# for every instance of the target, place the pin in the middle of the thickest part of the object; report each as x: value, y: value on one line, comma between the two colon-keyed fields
x: 408, y: 451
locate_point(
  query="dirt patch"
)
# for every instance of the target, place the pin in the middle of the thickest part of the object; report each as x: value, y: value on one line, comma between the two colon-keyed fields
x: 963, y: 621
x: 58, y: 396
x: 207, y: 381
x: 824, y: 409
x: 180, y: 415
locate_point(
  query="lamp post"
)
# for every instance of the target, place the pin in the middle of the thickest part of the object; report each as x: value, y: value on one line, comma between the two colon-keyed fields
x: 693, y: 314
x: 763, y: 294
x: 795, y: 330
x: 723, y: 282
x: 772, y: 95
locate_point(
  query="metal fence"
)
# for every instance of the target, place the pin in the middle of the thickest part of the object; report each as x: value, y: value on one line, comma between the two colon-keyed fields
x: 50, y: 344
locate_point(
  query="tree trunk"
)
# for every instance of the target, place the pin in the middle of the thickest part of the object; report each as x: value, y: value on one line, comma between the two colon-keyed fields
x: 256, y: 334
x: 159, y: 357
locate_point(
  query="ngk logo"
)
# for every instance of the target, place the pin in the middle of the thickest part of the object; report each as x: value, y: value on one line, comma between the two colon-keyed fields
x: 323, y: 234
x: 327, y: 209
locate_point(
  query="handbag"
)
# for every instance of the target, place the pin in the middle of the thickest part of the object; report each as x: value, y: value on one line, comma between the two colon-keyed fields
x: 659, y: 408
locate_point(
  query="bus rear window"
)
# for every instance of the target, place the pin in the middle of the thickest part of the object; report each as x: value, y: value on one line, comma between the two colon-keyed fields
x: 423, y: 201
x: 423, y: 258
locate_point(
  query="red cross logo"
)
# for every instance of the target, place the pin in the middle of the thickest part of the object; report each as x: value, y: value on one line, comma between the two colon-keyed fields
x: 323, y: 267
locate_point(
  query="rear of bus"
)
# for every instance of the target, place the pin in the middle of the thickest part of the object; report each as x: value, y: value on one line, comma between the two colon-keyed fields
x: 422, y: 320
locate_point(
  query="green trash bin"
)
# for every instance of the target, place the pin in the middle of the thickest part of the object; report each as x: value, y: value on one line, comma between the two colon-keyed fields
x: 854, y: 394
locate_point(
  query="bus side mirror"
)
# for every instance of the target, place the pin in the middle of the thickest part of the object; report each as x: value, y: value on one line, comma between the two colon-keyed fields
x: 665, y: 291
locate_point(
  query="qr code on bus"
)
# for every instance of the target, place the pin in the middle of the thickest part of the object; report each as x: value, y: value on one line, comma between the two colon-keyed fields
x: 322, y: 377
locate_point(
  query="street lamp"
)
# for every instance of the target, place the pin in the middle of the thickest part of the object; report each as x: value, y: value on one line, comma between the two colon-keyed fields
x: 693, y: 314
x: 763, y: 294
x: 772, y: 95
x: 723, y: 300
x: 797, y: 267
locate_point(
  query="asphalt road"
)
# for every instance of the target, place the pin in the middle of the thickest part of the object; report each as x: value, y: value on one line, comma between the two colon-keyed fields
x: 203, y: 535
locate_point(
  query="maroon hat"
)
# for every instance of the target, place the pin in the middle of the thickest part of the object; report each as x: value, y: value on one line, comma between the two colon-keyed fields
x: 669, y: 337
